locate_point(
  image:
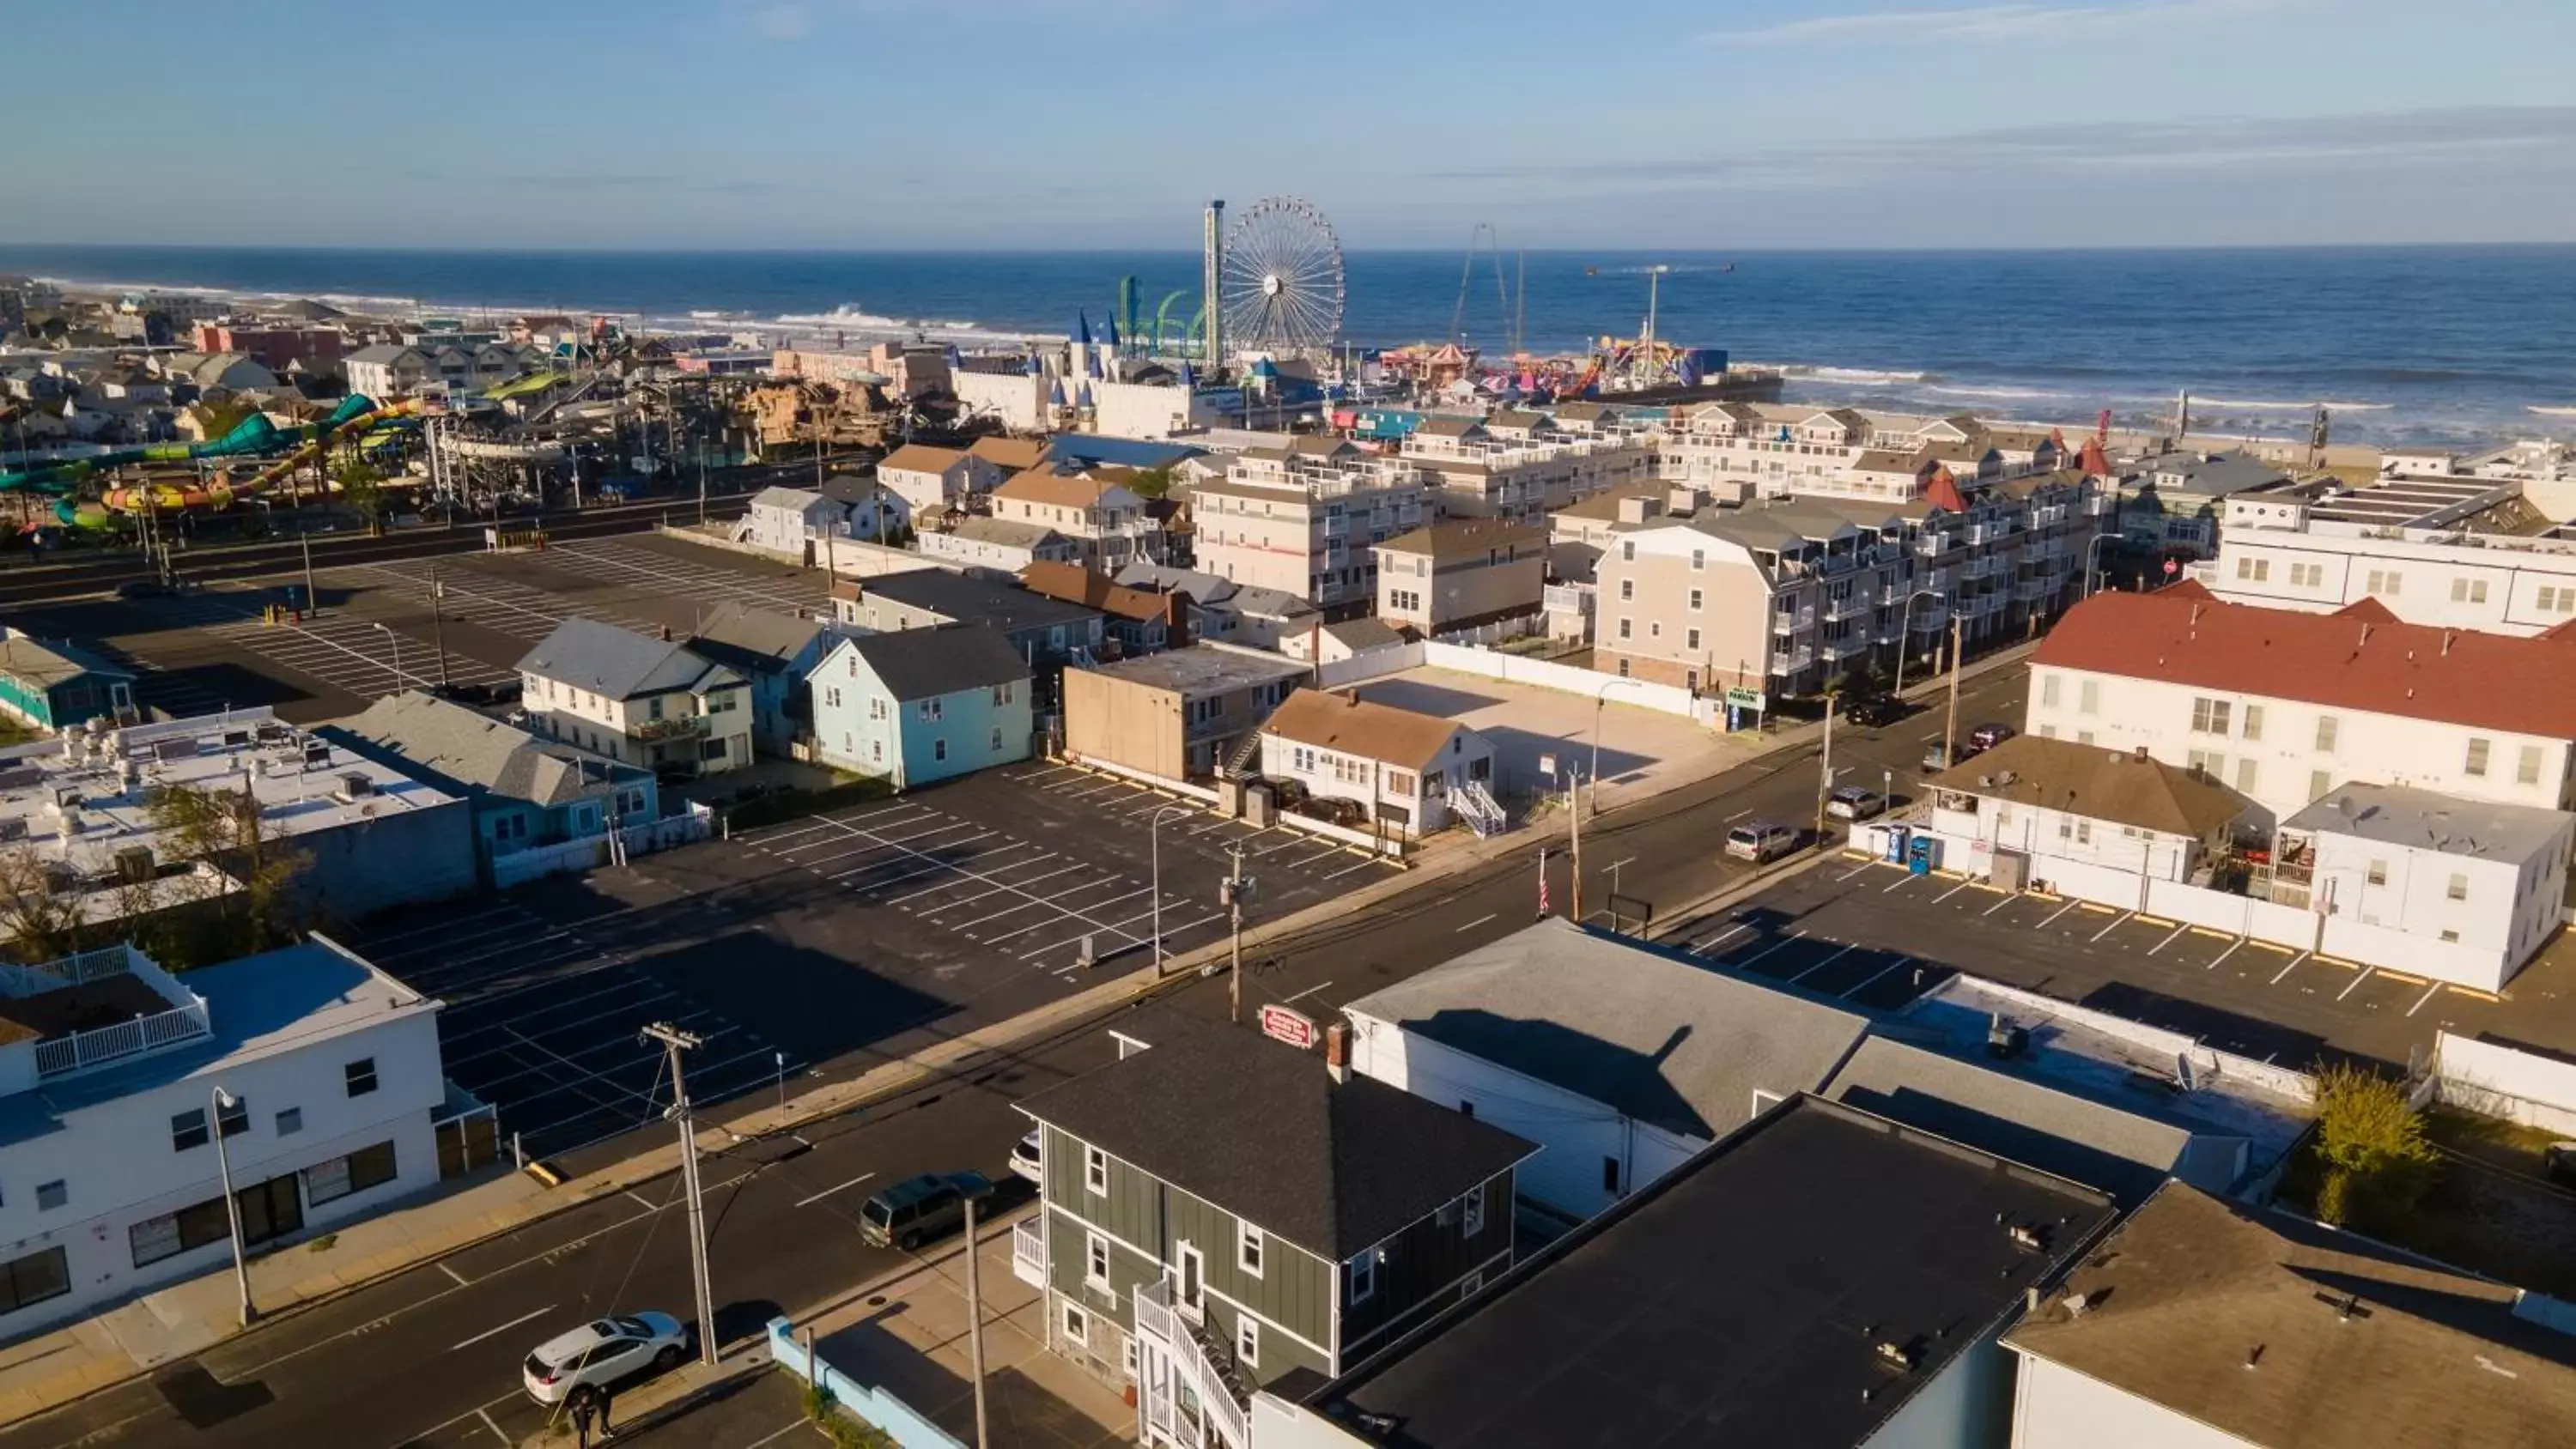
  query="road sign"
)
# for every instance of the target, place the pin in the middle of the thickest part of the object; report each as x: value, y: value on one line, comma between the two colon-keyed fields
x: 1281, y: 1023
x: 1738, y: 697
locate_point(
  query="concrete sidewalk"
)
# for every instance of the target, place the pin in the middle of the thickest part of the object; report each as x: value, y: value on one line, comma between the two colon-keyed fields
x: 905, y: 1334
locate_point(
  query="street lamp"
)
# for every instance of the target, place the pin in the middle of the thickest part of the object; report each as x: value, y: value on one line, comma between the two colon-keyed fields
x: 1600, y: 703
x: 1905, y: 634
x: 387, y: 631
x: 2091, y: 558
x: 224, y: 1101
x: 1154, y: 843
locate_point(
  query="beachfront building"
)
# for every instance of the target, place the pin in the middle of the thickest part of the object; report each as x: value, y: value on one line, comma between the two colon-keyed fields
x: 1302, y: 517
x: 2175, y: 500
x: 637, y: 700
x: 1110, y: 525
x: 386, y: 370
x: 1444, y: 578
x: 920, y: 705
x: 2461, y: 552
x: 320, y: 1073
x: 1742, y: 450
x: 2287, y: 707
x: 1518, y: 465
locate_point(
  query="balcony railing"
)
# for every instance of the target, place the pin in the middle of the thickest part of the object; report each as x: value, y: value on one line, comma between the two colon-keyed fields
x: 82, y: 1049
x: 671, y: 727
x: 1850, y: 606
x: 1567, y: 598
x: 1791, y: 623
x: 1208, y: 1381
x: 1029, y: 1252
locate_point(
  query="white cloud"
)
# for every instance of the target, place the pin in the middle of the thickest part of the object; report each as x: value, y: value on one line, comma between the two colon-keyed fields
x: 2021, y: 22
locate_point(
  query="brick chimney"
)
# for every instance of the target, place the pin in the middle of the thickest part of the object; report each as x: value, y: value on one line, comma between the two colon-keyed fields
x: 1337, y: 1051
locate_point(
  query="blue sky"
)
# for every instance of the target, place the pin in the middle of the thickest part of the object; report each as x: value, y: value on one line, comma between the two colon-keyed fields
x: 1003, y: 124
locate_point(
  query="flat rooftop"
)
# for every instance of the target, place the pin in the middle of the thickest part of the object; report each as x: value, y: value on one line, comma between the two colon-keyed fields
x: 86, y: 799
x: 1205, y: 669
x: 1793, y: 1287
x: 2427, y: 820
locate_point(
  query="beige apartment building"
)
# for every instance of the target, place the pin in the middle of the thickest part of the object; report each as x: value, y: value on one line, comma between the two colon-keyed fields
x: 1521, y: 466
x: 1110, y: 525
x: 1447, y: 577
x: 1183, y: 714
x: 1304, y: 519
x: 1791, y: 594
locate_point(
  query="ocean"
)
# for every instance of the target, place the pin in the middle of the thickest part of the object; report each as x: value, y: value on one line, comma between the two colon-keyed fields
x: 2411, y: 344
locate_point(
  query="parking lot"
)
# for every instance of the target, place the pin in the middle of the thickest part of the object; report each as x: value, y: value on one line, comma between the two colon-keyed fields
x: 1875, y: 935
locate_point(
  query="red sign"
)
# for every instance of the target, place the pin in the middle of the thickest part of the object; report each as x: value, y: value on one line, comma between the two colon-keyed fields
x: 1282, y: 1024
x: 2172, y: 566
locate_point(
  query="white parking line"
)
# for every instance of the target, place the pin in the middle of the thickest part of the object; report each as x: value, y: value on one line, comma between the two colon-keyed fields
x: 1856, y: 870
x: 1311, y: 990
x: 2285, y: 970
x: 1713, y: 942
x: 1365, y: 862
x: 2358, y: 977
x: 1952, y: 891
x: 2167, y: 941
x: 2071, y: 903
x: 1774, y: 946
x: 2008, y: 899
x: 2230, y: 951
x: 827, y: 1192
x: 2115, y: 924
x: 504, y: 1328
x: 1821, y: 965
x: 2429, y: 993
x: 1902, y: 877
x: 1873, y: 980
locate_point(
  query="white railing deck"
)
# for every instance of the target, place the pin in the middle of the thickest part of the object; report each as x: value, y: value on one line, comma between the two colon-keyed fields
x: 58, y: 1055
x: 1029, y: 1252
x: 1225, y: 1413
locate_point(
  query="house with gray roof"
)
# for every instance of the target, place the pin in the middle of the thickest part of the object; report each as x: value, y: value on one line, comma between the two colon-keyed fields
x: 775, y: 652
x: 636, y: 699
x: 526, y: 793
x: 1620, y: 1060
x: 2177, y: 498
x: 913, y: 706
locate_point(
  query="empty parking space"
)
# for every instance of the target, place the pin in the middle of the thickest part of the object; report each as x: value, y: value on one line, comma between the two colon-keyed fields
x: 1759, y: 943
x: 542, y: 1021
x: 687, y: 571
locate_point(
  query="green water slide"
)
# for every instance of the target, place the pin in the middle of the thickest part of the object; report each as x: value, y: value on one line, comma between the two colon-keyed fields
x: 252, y: 436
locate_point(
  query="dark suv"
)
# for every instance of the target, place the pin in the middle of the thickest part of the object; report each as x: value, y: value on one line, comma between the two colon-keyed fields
x: 917, y: 1209
x: 1870, y: 711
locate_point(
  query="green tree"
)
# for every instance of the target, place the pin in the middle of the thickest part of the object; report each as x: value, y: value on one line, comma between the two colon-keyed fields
x: 2375, y: 1155
x: 362, y: 486
x: 223, y: 831
x: 1152, y: 483
x: 39, y: 907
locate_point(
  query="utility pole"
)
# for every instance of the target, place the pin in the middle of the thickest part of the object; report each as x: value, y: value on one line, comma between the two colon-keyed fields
x: 1825, y: 772
x: 1236, y: 888
x: 1576, y: 898
x: 1950, y: 731
x: 312, y: 600
x: 675, y: 1041
x: 438, y: 621
x: 220, y: 1101
x: 975, y: 1321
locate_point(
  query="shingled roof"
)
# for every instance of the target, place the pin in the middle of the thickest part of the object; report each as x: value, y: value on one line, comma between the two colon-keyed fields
x: 2097, y: 783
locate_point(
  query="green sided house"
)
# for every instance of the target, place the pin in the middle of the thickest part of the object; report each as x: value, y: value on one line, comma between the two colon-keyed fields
x: 1220, y: 1210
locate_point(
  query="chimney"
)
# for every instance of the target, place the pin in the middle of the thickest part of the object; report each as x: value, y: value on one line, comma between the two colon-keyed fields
x: 1337, y: 1051
x: 666, y: 633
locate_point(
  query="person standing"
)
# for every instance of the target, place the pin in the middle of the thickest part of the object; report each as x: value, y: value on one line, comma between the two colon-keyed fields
x: 581, y: 1411
x: 606, y: 1429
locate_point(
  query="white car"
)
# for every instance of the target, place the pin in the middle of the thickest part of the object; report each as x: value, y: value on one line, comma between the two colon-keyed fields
x: 1025, y: 1159
x: 604, y: 1351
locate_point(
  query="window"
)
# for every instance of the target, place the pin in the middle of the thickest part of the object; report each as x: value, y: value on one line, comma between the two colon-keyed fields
x: 2253, y: 722
x: 1627, y: 589
x: 1624, y: 631
x: 1247, y: 1341
x: 2209, y: 716
x: 2383, y: 581
x: 365, y: 1168
x: 2254, y: 570
x: 361, y: 1076
x: 832, y: 696
x: 2245, y: 776
x: 2476, y: 764
x: 1248, y: 1244
x: 1095, y: 1260
x: 1627, y: 550
x: 1699, y: 560
x: 34, y: 1278
x: 1077, y: 1326
x: 1690, y: 638
x: 2208, y: 762
x: 1002, y: 692
x: 1694, y: 600
x: 2378, y: 872
x: 2459, y: 890
x: 188, y: 1129
x: 2327, y: 730
x: 290, y: 1121
x: 233, y: 1120
x: 997, y: 739
x: 1095, y: 1169
x: 2319, y: 782
x: 2526, y: 766
x: 930, y: 708
x: 51, y: 1195
x: 2048, y: 692
x: 1473, y: 1222
x: 939, y: 749
x: 2088, y: 698
x: 2468, y: 591
x: 876, y: 709
x: 2560, y: 600
x: 1363, y: 1276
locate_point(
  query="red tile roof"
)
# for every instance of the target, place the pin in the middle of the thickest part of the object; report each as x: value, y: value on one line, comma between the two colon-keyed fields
x: 2457, y: 676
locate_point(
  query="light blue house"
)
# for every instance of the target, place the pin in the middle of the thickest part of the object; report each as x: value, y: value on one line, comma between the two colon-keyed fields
x: 919, y: 705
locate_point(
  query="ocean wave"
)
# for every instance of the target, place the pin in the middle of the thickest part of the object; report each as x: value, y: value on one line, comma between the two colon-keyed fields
x: 2258, y: 405
x: 2553, y: 412
x: 2005, y: 394
x: 1853, y: 376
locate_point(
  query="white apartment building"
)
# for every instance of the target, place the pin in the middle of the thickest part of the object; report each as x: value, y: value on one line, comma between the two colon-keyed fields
x: 637, y: 700
x: 2464, y: 891
x: 1109, y: 524
x: 1303, y: 518
x: 2286, y: 707
x: 927, y: 477
x: 2463, y: 553
x: 1520, y: 465
x: 321, y: 1073
x: 1741, y: 450
x: 2022, y: 812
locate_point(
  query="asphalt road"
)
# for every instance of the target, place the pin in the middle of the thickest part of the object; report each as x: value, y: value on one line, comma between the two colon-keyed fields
x: 429, y: 1358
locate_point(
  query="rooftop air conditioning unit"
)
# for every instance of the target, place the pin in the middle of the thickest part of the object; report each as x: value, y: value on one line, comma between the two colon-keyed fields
x: 354, y: 784
x: 134, y: 864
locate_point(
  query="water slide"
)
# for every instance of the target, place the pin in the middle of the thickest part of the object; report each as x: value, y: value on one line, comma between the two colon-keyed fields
x: 254, y: 435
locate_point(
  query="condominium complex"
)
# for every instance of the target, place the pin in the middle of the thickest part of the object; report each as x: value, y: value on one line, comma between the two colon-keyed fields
x: 1741, y: 450
x: 1521, y: 465
x: 1303, y: 518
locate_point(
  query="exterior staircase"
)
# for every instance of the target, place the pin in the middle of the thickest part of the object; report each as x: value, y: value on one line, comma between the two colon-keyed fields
x: 1483, y: 813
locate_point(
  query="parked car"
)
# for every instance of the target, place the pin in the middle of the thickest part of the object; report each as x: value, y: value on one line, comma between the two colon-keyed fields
x: 1024, y: 1156
x: 917, y: 1209
x: 1853, y: 802
x: 1987, y: 736
x: 605, y: 1351
x: 1760, y: 840
x: 141, y: 589
x: 1870, y: 711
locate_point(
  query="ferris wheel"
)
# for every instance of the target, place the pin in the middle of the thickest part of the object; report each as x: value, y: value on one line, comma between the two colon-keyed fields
x: 1281, y: 282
